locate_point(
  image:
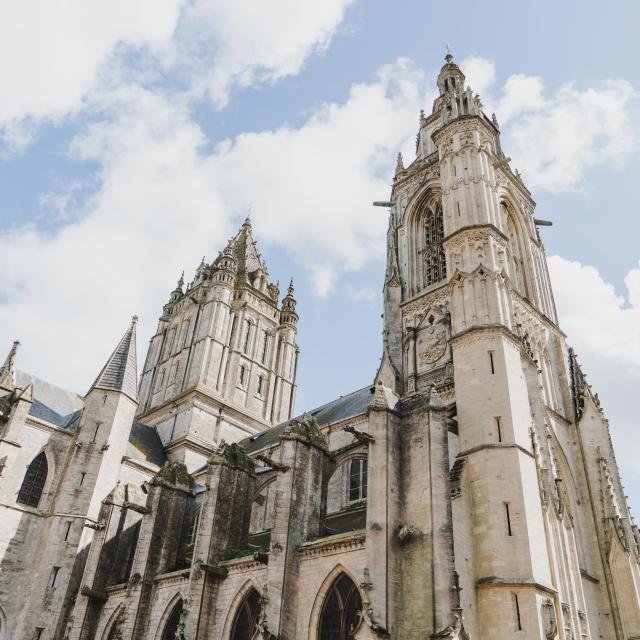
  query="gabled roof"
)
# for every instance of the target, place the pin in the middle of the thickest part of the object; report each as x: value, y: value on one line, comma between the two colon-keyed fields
x: 120, y: 371
x: 353, y: 404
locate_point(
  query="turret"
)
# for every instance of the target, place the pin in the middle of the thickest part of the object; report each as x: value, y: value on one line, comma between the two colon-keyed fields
x: 288, y: 314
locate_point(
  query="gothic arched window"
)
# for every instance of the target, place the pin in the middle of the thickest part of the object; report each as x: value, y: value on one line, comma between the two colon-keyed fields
x: 341, y: 610
x: 246, y: 622
x: 515, y: 253
x: 33, y: 483
x: 357, y: 480
x: 171, y: 627
x: 435, y: 266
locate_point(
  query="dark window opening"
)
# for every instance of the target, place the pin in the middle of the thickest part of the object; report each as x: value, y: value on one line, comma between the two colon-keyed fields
x: 506, y: 508
x: 54, y: 576
x: 173, y: 623
x: 342, y: 611
x: 67, y: 531
x: 245, y: 624
x: 518, y: 619
x: 34, y: 481
x: 435, y: 266
x: 499, y: 426
x: 358, y: 480
x: 491, y: 363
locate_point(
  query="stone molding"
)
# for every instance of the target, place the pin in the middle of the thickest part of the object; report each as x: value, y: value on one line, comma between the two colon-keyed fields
x: 330, y: 545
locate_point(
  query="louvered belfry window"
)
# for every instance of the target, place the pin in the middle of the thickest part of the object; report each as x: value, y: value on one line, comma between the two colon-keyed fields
x: 435, y: 266
x: 33, y: 483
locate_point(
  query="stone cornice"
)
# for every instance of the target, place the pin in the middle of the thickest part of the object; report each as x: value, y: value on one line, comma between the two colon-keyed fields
x: 476, y: 227
x: 173, y: 577
x: 210, y: 400
x: 339, y: 543
x: 495, y: 445
x: 510, y: 583
x: 243, y: 565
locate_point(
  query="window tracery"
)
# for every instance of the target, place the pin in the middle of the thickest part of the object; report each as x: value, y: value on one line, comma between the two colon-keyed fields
x: 245, y: 624
x: 34, y: 481
x: 341, y: 611
x: 435, y: 266
x: 173, y: 623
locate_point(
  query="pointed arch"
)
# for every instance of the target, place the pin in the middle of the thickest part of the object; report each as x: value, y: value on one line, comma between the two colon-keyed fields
x: 263, y: 507
x: 424, y: 224
x: 236, y: 606
x: 338, y: 589
x: 518, y: 251
x: 114, y: 624
x: 168, y: 626
x: 34, y: 480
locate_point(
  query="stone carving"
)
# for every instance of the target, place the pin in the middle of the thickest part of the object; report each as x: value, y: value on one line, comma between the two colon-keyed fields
x: 174, y: 474
x: 233, y: 455
x: 407, y: 532
x: 433, y: 343
x: 307, y: 430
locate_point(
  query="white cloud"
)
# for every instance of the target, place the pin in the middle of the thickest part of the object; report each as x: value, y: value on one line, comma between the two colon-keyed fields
x: 55, y: 55
x: 51, y: 53
x: 604, y: 328
x: 165, y: 199
x: 556, y: 139
x: 244, y: 42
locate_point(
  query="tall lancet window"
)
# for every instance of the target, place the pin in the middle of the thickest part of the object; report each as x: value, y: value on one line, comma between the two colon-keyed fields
x: 515, y: 253
x: 435, y: 266
x: 34, y: 481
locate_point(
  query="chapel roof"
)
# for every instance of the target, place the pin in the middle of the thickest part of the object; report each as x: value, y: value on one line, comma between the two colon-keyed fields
x: 353, y: 404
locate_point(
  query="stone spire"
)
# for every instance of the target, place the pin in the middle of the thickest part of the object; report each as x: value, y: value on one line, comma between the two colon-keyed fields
x: 6, y: 371
x: 120, y: 371
x: 399, y: 164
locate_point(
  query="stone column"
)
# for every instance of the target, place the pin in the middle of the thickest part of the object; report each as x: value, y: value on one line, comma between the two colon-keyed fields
x: 224, y: 525
x: 300, y: 504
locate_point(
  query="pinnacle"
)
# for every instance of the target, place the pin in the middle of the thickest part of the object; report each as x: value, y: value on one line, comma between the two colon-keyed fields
x: 6, y: 370
x: 120, y: 371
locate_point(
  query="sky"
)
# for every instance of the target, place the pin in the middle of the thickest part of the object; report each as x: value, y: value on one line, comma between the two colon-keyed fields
x: 135, y: 137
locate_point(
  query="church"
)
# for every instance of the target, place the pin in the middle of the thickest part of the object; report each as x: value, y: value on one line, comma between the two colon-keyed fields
x: 469, y: 492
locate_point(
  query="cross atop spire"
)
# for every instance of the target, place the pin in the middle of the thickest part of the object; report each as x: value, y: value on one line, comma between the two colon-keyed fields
x: 6, y: 370
x: 120, y: 371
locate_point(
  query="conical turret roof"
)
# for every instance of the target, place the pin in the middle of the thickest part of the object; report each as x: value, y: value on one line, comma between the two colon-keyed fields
x: 120, y: 371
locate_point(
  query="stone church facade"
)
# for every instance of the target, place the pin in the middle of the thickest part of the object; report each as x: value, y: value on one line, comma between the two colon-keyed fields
x: 470, y: 492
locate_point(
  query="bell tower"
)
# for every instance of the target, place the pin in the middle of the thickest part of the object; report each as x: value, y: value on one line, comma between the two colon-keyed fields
x: 469, y: 314
x: 222, y: 364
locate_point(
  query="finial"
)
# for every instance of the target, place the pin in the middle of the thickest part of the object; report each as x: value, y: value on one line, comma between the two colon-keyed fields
x: 134, y: 319
x: 421, y: 114
x: 181, y: 280
x: 494, y: 120
x: 290, y: 289
x: 448, y: 57
x: 399, y: 164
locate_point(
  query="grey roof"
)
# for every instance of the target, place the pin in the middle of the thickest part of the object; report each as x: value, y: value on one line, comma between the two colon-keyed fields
x: 353, y: 404
x: 59, y: 401
x: 120, y: 372
x: 146, y: 440
x: 245, y: 250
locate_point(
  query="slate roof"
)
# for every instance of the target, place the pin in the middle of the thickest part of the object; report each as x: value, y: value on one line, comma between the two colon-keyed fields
x: 120, y: 372
x: 63, y: 409
x: 353, y: 404
x: 146, y: 440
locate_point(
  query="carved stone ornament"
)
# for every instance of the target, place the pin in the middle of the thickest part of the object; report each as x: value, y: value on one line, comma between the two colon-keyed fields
x: 433, y: 343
